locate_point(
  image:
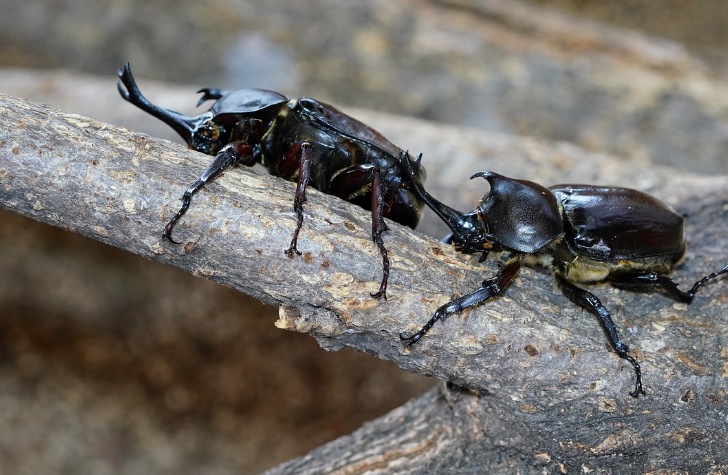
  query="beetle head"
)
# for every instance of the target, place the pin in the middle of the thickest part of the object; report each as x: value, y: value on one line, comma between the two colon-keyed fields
x: 185, y: 126
x: 204, y: 135
x: 211, y: 130
x: 468, y: 231
x: 515, y: 215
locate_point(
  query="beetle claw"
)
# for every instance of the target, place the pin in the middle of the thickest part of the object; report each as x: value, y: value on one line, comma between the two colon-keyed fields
x: 167, y: 233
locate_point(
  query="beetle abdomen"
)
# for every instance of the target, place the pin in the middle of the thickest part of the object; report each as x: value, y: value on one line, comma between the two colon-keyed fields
x: 327, y: 117
x: 343, y: 165
x: 608, y: 224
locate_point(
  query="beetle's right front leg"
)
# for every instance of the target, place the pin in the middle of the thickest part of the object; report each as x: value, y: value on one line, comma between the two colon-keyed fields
x: 230, y: 154
x: 489, y: 288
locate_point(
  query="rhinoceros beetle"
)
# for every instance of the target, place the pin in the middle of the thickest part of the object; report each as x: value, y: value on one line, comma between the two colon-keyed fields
x: 585, y: 234
x: 301, y: 140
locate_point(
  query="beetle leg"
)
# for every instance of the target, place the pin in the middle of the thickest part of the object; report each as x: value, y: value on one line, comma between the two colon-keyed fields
x: 654, y: 279
x: 588, y: 300
x: 230, y: 154
x: 489, y: 288
x: 352, y: 184
x: 378, y: 227
x: 305, y: 152
x: 705, y: 279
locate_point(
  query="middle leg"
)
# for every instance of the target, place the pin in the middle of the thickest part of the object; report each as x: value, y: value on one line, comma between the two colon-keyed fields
x: 589, y: 301
x: 303, y: 153
x: 354, y: 184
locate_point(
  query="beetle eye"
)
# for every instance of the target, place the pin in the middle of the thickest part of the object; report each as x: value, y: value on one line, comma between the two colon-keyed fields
x: 210, y: 131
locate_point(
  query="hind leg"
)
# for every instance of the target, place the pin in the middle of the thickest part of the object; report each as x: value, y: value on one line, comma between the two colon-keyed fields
x: 653, y: 279
x: 349, y: 185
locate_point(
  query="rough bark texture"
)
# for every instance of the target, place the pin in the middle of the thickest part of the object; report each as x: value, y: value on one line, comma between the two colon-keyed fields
x: 143, y: 369
x: 547, y: 394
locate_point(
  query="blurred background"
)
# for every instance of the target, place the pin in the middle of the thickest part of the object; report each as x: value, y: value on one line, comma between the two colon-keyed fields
x: 112, y: 364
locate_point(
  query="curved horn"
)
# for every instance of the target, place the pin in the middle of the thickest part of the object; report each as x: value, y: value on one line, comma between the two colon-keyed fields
x: 460, y: 224
x: 182, y: 124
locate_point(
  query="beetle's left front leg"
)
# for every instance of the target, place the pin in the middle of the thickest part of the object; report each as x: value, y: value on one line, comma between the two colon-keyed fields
x: 230, y: 154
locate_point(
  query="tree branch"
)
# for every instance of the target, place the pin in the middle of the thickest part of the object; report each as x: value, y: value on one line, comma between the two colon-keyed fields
x: 545, y: 362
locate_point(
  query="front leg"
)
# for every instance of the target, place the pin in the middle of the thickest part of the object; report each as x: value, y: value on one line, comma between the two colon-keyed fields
x: 489, y: 288
x: 229, y: 155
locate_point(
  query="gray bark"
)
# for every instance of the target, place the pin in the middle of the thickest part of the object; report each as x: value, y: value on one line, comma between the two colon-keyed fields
x: 545, y: 392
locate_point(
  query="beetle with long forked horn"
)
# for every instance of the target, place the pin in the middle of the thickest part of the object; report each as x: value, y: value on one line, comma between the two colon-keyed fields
x: 303, y: 140
x: 584, y: 233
